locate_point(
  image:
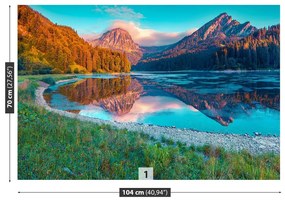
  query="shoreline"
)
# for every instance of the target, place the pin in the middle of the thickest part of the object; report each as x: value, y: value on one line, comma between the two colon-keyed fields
x: 217, y: 71
x: 230, y: 142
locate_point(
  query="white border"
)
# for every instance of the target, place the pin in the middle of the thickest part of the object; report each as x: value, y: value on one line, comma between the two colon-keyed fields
x: 9, y: 191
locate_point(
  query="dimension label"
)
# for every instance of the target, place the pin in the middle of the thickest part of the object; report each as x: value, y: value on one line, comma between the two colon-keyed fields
x: 9, y: 87
x: 145, y: 192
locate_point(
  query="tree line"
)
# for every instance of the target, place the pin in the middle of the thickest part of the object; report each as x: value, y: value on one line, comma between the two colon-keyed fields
x: 260, y: 50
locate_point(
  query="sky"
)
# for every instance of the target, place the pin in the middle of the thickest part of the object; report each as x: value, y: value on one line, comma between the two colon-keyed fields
x: 152, y: 25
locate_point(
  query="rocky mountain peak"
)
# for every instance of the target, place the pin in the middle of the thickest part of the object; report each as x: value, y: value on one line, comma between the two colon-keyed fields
x: 222, y: 15
x: 225, y: 24
x: 117, y: 33
x: 120, y: 40
x: 118, y: 29
x: 222, y: 18
x: 117, y: 38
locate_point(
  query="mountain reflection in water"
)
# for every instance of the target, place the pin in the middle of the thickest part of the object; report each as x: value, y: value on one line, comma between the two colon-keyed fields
x: 147, y: 100
x: 116, y: 95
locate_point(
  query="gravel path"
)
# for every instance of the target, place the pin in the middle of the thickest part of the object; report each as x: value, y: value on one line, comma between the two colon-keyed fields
x: 255, y: 145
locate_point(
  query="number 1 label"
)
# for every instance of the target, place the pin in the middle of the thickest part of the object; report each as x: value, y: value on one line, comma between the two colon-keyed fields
x: 145, y: 173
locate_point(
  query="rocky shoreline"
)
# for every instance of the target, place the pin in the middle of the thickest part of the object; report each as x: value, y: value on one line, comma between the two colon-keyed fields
x: 231, y: 142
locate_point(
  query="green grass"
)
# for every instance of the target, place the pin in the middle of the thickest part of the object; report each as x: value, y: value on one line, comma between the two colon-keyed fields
x: 56, y: 77
x: 51, y: 146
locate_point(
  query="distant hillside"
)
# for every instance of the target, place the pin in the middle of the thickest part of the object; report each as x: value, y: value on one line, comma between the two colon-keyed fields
x: 149, y: 51
x: 45, y: 47
x: 222, y: 43
x: 120, y: 40
x: 256, y: 51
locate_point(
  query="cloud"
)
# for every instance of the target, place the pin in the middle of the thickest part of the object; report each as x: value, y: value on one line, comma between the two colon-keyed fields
x: 149, y: 37
x: 120, y: 12
x: 152, y: 104
x: 90, y: 36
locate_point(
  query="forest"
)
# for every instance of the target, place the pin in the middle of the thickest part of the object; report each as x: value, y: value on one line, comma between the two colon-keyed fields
x: 45, y: 47
x: 260, y: 50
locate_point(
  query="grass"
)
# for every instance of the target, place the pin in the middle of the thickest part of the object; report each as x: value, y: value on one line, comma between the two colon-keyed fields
x: 51, y: 146
x: 56, y: 77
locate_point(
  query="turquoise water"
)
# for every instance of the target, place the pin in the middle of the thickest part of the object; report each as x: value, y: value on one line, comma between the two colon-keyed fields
x: 223, y: 102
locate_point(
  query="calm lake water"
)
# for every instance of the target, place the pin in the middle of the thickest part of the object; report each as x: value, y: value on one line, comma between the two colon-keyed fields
x: 224, y: 102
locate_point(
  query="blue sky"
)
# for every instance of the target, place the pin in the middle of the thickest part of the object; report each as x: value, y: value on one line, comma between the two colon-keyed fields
x: 152, y: 25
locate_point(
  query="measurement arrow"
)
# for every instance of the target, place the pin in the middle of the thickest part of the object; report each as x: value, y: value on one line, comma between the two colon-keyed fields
x: 9, y: 33
x: 226, y: 192
x: 174, y: 192
x: 9, y: 113
x: 68, y: 192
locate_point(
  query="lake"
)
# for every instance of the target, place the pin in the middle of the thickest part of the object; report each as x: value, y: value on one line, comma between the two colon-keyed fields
x: 223, y: 102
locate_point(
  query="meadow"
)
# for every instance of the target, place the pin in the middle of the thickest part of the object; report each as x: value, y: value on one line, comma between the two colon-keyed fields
x: 51, y: 146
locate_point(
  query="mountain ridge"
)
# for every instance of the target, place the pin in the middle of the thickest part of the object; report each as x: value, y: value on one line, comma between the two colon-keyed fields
x: 259, y: 50
x: 212, y: 34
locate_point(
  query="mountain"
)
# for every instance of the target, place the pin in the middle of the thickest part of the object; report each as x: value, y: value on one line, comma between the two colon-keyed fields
x: 223, y: 25
x: 148, y: 51
x: 120, y: 40
x: 259, y: 50
x: 203, y: 50
x: 213, y: 34
x: 45, y: 47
